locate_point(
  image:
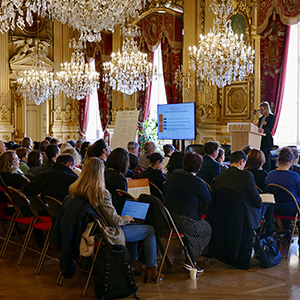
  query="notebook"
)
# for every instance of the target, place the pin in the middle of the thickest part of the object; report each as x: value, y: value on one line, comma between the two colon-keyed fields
x: 135, y: 209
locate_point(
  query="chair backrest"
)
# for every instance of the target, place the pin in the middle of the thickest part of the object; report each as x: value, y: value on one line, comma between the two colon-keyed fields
x: 19, y: 201
x: 282, y: 194
x: 54, y: 206
x: 125, y: 194
x: 260, y: 191
x: 155, y: 191
x: 208, y: 186
x: 2, y: 183
x: 171, y: 221
x: 38, y: 206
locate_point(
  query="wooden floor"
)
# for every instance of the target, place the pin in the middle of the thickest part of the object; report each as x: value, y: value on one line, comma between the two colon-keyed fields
x: 217, y: 282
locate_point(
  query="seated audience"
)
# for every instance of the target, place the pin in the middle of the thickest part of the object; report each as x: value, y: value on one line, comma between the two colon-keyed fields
x: 235, y: 212
x: 242, y: 182
x: 36, y: 145
x: 210, y: 167
x: 154, y: 172
x: 118, y: 162
x: 83, y: 148
x: 27, y: 143
x: 52, y: 152
x: 2, y: 147
x: 185, y: 196
x: 9, y: 166
x: 35, y: 162
x: 64, y: 146
x: 295, y: 166
x: 77, y: 159
x: 54, y: 182
x: 246, y: 149
x: 168, y: 150
x: 220, y: 159
x: 90, y: 185
x: 149, y: 148
x: 54, y: 141
x: 78, y: 145
x: 255, y: 161
x: 101, y: 150
x: 43, y: 145
x: 286, y: 178
x: 175, y: 162
x: 133, y: 149
x: 23, y: 155
x: 72, y: 143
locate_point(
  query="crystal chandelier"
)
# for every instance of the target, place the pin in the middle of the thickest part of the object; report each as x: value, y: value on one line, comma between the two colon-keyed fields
x: 89, y: 17
x: 221, y: 57
x: 37, y: 84
x: 129, y: 70
x: 77, y: 78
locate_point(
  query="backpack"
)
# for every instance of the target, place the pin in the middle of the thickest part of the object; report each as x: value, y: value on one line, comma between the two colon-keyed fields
x: 113, y: 276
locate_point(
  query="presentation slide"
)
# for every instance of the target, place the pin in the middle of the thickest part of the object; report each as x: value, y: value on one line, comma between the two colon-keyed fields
x: 176, y: 121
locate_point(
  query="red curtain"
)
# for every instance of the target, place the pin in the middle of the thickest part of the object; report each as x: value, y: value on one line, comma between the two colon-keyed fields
x: 83, y: 105
x: 167, y: 29
x: 274, y: 51
x: 171, y: 62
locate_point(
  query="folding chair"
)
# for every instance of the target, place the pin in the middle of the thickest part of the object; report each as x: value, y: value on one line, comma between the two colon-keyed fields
x: 19, y: 202
x: 208, y: 186
x: 155, y: 191
x: 125, y: 194
x: 170, y: 236
x: 283, y: 195
x: 98, y: 225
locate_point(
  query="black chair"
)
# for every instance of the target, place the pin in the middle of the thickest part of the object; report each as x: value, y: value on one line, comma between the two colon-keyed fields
x: 174, y: 233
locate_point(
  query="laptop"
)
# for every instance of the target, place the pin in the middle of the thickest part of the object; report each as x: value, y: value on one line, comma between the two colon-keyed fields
x: 135, y: 209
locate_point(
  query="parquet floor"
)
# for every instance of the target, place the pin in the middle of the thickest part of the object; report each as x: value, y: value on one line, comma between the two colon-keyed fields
x: 218, y: 281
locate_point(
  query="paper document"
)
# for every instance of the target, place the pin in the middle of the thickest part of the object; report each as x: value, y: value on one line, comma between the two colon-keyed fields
x: 267, y: 198
x: 138, y: 186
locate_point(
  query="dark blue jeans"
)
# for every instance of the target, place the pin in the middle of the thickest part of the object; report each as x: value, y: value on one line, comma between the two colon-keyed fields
x: 133, y: 234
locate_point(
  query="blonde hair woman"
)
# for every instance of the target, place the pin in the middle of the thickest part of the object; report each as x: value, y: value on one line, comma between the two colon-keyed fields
x: 265, y: 125
x: 90, y: 185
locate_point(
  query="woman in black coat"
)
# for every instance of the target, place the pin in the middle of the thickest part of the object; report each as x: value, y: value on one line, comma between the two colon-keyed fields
x: 265, y: 125
x: 186, y: 194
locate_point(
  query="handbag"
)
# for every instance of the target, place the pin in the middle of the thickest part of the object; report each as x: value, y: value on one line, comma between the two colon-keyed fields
x: 267, y: 251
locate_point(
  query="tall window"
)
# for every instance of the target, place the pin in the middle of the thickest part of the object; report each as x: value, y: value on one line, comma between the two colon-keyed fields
x: 158, y: 91
x: 94, y: 129
x: 288, y: 130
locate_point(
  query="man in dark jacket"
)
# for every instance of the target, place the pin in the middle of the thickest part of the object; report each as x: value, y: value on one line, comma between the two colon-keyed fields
x: 54, y: 182
x: 210, y: 167
x: 242, y: 182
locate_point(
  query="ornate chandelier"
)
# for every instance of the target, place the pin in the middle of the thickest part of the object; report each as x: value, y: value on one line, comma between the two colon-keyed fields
x: 129, y: 70
x: 77, y: 78
x: 89, y: 17
x: 37, y: 84
x: 221, y: 57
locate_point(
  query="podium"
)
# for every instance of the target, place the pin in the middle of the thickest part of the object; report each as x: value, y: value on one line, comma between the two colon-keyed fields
x: 243, y: 134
